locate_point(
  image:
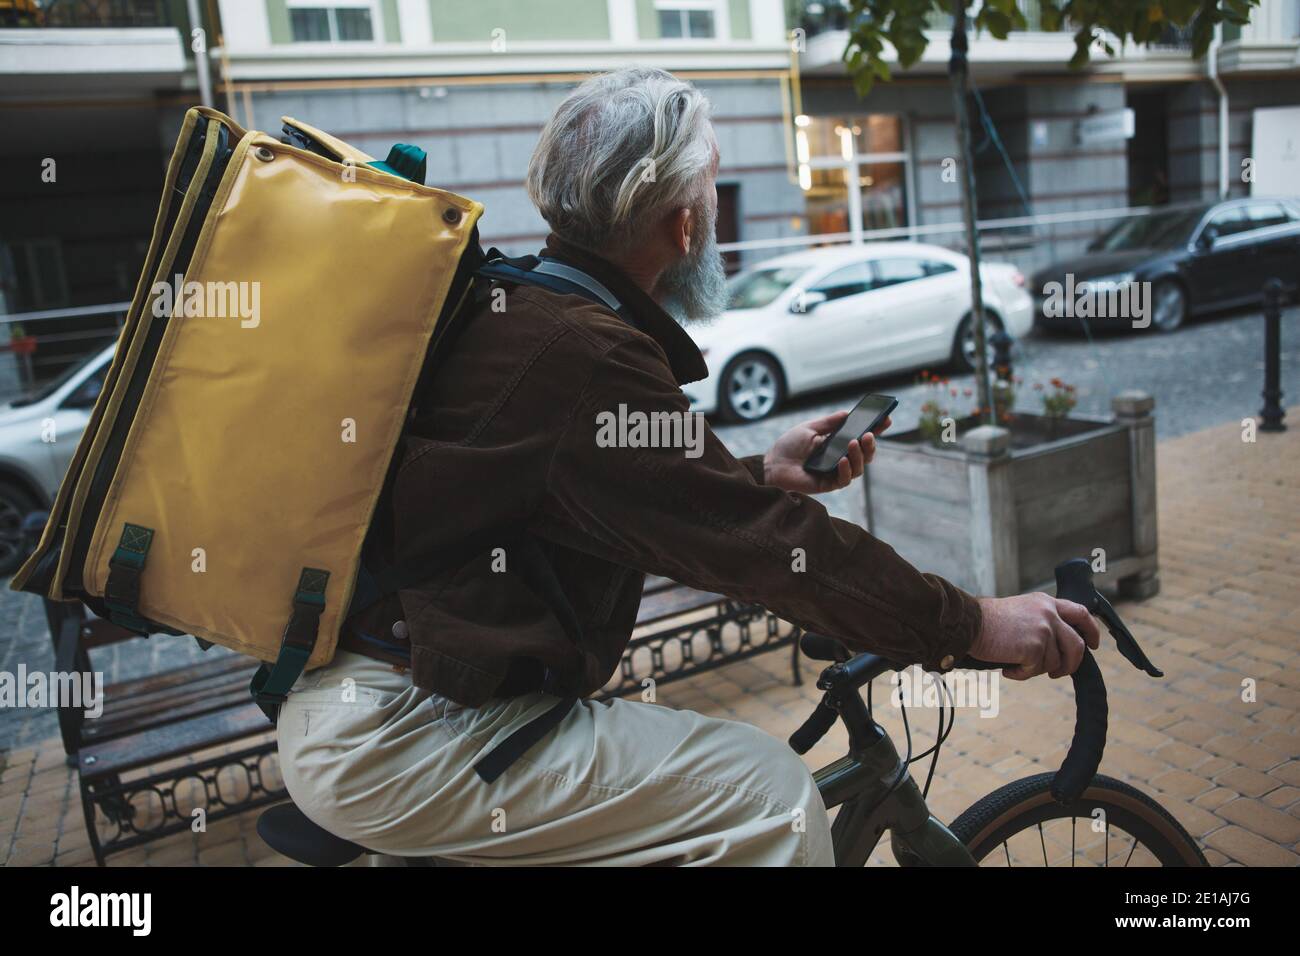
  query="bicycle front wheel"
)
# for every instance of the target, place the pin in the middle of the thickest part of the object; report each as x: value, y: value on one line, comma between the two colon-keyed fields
x: 1111, y: 824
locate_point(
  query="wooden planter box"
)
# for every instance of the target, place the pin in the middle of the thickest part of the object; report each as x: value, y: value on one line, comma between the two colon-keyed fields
x: 996, y: 512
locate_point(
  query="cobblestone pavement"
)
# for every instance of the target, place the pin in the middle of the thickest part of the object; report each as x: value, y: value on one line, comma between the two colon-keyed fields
x: 1228, y: 613
x: 1208, y: 372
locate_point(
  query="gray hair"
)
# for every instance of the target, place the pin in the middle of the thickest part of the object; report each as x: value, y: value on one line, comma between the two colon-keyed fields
x: 623, y: 149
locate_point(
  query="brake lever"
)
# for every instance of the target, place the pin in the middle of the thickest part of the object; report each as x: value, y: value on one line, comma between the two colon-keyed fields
x: 1074, y: 583
x: 1124, y: 639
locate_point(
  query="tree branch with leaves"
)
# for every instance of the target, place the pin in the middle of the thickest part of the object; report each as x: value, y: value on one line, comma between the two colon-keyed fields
x: 883, y: 31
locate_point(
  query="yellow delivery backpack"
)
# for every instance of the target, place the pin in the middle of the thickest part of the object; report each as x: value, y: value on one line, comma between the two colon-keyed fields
x: 294, y: 293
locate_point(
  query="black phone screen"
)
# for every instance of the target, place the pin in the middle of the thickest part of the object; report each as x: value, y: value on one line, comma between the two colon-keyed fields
x: 868, y: 414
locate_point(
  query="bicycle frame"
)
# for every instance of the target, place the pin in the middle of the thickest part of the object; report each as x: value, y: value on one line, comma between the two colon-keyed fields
x: 875, y: 793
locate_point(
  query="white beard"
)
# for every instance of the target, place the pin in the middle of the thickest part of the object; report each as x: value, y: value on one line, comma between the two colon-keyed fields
x: 695, y: 287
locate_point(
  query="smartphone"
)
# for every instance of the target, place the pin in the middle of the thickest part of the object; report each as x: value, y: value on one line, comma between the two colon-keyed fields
x: 867, y: 415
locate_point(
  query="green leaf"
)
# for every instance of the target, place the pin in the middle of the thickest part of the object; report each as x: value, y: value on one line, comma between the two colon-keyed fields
x: 998, y: 23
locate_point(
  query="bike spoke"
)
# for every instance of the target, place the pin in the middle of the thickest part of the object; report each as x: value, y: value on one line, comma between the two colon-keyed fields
x: 1044, y: 843
x: 1072, y: 821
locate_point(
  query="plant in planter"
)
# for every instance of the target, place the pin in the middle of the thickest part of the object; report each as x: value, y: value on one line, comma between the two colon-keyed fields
x: 938, y: 425
x: 1004, y: 399
x: 1058, y: 403
x: 996, y: 510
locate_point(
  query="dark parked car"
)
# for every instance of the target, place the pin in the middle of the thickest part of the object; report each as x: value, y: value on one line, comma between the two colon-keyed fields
x: 1196, y: 259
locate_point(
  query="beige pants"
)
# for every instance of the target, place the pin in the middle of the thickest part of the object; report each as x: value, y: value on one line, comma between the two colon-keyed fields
x: 371, y: 759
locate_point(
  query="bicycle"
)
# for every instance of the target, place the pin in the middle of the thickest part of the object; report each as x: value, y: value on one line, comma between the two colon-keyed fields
x: 875, y: 792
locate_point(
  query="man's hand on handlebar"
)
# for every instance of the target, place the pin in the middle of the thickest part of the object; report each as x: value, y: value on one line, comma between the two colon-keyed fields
x: 1034, y: 634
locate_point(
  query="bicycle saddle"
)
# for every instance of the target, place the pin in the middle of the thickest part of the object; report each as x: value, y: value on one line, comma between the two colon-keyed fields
x: 287, y: 830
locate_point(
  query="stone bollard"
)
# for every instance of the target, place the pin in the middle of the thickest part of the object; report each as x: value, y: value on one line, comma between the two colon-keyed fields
x: 1134, y: 409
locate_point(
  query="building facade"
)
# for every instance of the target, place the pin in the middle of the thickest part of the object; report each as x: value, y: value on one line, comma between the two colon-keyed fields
x: 98, y: 88
x: 472, y: 84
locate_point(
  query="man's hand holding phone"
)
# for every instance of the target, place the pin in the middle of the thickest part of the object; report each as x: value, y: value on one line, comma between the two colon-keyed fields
x: 783, y: 466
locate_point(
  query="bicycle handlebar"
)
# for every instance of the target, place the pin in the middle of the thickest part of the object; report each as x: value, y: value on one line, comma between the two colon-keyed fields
x: 1092, y: 714
x: 1073, y: 583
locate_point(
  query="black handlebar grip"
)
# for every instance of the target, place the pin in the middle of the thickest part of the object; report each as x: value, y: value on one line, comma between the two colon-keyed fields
x: 1074, y: 583
x: 814, y: 728
x: 1091, y: 712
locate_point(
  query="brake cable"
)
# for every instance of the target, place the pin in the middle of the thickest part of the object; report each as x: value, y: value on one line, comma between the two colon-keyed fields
x: 940, y: 736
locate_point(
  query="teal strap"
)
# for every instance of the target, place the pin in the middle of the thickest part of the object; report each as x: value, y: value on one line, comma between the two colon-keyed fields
x: 125, y: 567
x: 406, y: 161
x: 270, y: 685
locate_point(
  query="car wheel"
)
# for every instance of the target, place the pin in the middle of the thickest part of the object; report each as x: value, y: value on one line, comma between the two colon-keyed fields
x: 15, y: 505
x: 963, y: 344
x: 751, y: 387
x: 1168, y: 306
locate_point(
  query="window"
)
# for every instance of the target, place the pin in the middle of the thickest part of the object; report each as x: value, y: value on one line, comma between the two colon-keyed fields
x: 1265, y: 214
x: 678, y: 21
x: 324, y: 22
x: 1227, y: 223
x: 846, y: 281
x: 32, y: 276
x: 854, y: 172
x: 935, y: 268
x: 1164, y: 230
x: 896, y: 271
x: 753, y: 290
x: 84, y: 395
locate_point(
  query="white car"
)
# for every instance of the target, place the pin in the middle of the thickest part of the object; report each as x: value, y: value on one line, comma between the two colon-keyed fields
x: 38, y: 435
x: 823, y: 316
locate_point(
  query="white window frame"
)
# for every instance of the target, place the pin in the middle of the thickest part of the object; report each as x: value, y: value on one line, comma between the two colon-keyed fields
x: 853, y: 163
x: 720, y: 9
x: 377, y: 32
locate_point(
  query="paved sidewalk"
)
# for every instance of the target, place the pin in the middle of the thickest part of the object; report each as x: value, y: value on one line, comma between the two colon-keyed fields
x: 1228, y: 613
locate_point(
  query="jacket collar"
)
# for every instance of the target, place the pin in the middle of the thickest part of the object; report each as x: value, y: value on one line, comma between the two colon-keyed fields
x: 684, y: 356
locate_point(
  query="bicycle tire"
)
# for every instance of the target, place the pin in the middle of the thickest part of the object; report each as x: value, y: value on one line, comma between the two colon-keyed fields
x: 1024, y: 804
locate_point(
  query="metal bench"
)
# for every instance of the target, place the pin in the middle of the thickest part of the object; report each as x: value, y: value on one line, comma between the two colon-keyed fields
x: 127, y: 799
x: 681, y: 632
x: 137, y: 786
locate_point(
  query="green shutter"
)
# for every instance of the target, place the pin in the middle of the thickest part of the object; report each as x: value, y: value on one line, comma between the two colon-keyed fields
x: 277, y: 18
x: 647, y: 20
x: 458, y: 21
x: 392, y: 22
x: 740, y: 28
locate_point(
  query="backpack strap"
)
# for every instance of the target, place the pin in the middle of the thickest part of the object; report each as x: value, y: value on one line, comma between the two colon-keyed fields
x: 530, y: 563
x: 554, y: 275
x: 271, y: 682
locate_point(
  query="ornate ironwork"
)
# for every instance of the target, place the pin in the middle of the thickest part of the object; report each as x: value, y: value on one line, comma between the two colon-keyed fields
x: 125, y: 814
x: 725, y: 636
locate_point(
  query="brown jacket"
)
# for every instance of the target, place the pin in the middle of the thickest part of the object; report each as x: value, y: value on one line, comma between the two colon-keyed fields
x: 506, y: 436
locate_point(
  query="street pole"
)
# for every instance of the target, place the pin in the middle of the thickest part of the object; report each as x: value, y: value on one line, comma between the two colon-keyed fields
x: 1272, y: 413
x: 958, y: 69
x: 198, y: 41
